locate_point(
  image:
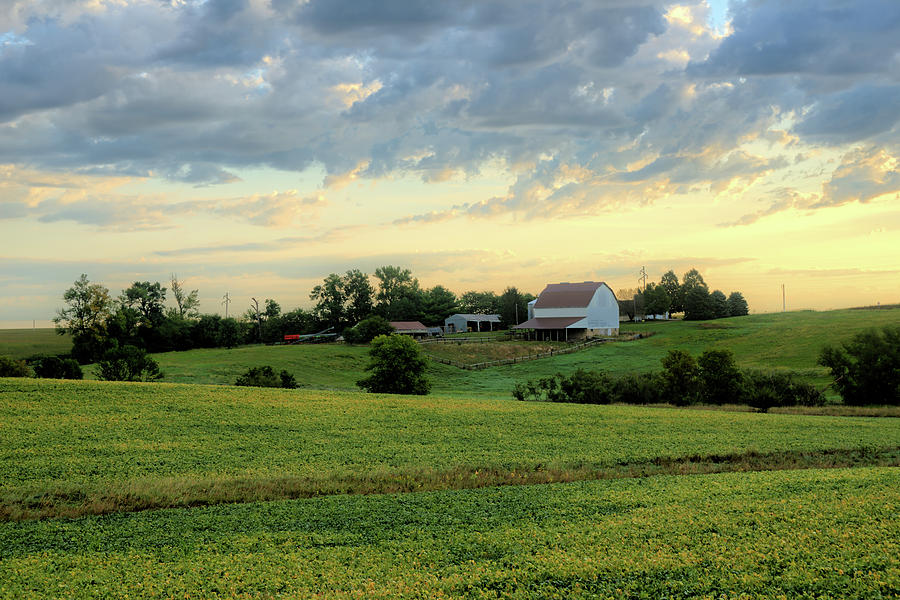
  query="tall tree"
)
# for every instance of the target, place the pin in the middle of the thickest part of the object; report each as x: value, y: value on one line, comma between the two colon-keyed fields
x: 398, y: 293
x: 330, y: 299
x: 88, y: 306
x: 479, y: 303
x: 513, y: 306
x: 656, y: 299
x: 186, y: 302
x: 359, y: 293
x: 438, y: 303
x: 669, y: 282
x: 737, y: 306
x: 147, y: 298
x: 718, y: 304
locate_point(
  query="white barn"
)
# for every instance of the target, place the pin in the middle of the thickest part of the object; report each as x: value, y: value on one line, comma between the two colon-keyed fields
x: 468, y: 322
x: 568, y: 311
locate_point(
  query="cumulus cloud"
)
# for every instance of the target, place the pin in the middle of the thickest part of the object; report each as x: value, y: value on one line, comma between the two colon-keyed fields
x: 642, y: 99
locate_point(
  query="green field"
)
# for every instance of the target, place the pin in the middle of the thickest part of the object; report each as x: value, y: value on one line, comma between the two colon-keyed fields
x: 790, y: 534
x: 769, y: 341
x: 94, y: 446
x: 22, y: 343
x: 163, y: 490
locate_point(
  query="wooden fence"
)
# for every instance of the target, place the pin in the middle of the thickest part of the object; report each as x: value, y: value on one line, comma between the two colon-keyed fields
x: 518, y: 359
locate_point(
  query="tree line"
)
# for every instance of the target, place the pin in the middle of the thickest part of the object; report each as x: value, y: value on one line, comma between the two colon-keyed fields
x: 691, y: 296
x: 140, y: 317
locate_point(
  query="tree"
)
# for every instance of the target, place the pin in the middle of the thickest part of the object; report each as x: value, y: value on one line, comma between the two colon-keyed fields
x: 656, y: 299
x: 680, y: 374
x: 866, y: 370
x: 438, y: 303
x: 720, y: 378
x: 479, y: 303
x: 88, y: 307
x: 186, y: 302
x: 737, y: 306
x: 128, y: 363
x: 330, y: 298
x: 697, y: 304
x: 513, y: 306
x: 358, y: 293
x: 718, y: 304
x: 273, y: 309
x: 397, y: 366
x: 398, y: 293
x: 669, y: 282
x: 148, y: 299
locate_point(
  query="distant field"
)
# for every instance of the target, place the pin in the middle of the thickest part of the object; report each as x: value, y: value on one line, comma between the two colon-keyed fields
x: 22, y: 343
x: 790, y: 534
x: 73, y: 443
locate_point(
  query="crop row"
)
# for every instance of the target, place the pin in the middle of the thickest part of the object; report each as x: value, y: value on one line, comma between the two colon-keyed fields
x: 794, y: 534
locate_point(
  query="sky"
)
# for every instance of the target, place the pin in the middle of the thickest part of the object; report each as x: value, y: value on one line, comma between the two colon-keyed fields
x: 255, y: 146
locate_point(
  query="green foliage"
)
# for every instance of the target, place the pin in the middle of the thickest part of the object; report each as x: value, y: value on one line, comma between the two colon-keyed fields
x: 55, y: 367
x: 718, y: 304
x: 737, y: 306
x: 87, y: 307
x: 769, y: 389
x: 866, y: 370
x: 367, y: 330
x: 479, y: 303
x: 698, y: 306
x: 265, y: 376
x: 359, y: 294
x: 186, y: 302
x: 397, y: 367
x: 128, y: 363
x: 10, y: 367
x: 438, y: 303
x: 581, y: 387
x: 719, y: 377
x: 656, y: 299
x: 148, y: 299
x: 680, y: 377
x: 398, y: 297
x: 669, y: 282
x: 639, y: 388
x: 330, y: 299
x: 512, y: 306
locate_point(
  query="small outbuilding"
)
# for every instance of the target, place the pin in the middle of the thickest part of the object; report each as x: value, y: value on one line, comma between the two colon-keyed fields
x: 570, y: 311
x: 467, y: 322
x: 412, y: 328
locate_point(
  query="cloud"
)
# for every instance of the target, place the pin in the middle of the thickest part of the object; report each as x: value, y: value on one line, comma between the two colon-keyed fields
x: 784, y: 199
x: 854, y: 115
x: 863, y: 175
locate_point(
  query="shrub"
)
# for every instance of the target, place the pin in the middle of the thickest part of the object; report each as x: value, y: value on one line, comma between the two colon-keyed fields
x: 128, y: 363
x: 866, y: 370
x: 639, y: 388
x: 765, y: 390
x: 680, y: 378
x: 10, y: 367
x: 586, y: 387
x: 719, y: 377
x: 265, y: 376
x: 55, y: 367
x: 397, y: 366
x: 367, y: 330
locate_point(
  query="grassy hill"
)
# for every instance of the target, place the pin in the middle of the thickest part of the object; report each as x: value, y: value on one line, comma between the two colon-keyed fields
x: 769, y: 341
x: 22, y: 343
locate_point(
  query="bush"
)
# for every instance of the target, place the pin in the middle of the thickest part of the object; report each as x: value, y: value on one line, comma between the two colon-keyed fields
x: 680, y: 378
x: 55, y: 367
x: 367, y: 330
x: 266, y: 377
x: 639, y: 388
x: 586, y: 387
x: 765, y: 390
x: 719, y: 377
x: 128, y: 363
x: 10, y: 367
x: 397, y: 366
x: 866, y: 370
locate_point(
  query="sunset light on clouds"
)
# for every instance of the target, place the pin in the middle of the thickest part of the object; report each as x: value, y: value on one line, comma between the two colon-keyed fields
x: 255, y: 146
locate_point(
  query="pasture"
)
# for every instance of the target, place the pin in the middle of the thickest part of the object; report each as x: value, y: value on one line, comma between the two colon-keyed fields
x: 22, y: 343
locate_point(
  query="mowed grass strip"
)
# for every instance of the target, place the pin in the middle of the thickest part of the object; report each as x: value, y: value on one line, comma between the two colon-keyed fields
x: 788, y: 534
x: 78, y: 445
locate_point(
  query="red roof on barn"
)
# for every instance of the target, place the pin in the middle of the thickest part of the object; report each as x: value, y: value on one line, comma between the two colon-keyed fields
x: 408, y: 326
x: 567, y: 295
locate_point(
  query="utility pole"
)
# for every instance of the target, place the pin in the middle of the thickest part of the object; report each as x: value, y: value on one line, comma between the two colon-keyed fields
x: 643, y: 278
x: 226, y: 302
x: 783, y: 302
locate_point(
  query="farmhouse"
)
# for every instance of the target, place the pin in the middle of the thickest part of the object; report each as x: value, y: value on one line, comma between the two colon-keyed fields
x: 568, y: 311
x: 413, y: 328
x: 468, y: 322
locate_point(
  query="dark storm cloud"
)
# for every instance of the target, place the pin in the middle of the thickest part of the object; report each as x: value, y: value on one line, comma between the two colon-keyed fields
x: 854, y: 115
x: 823, y: 37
